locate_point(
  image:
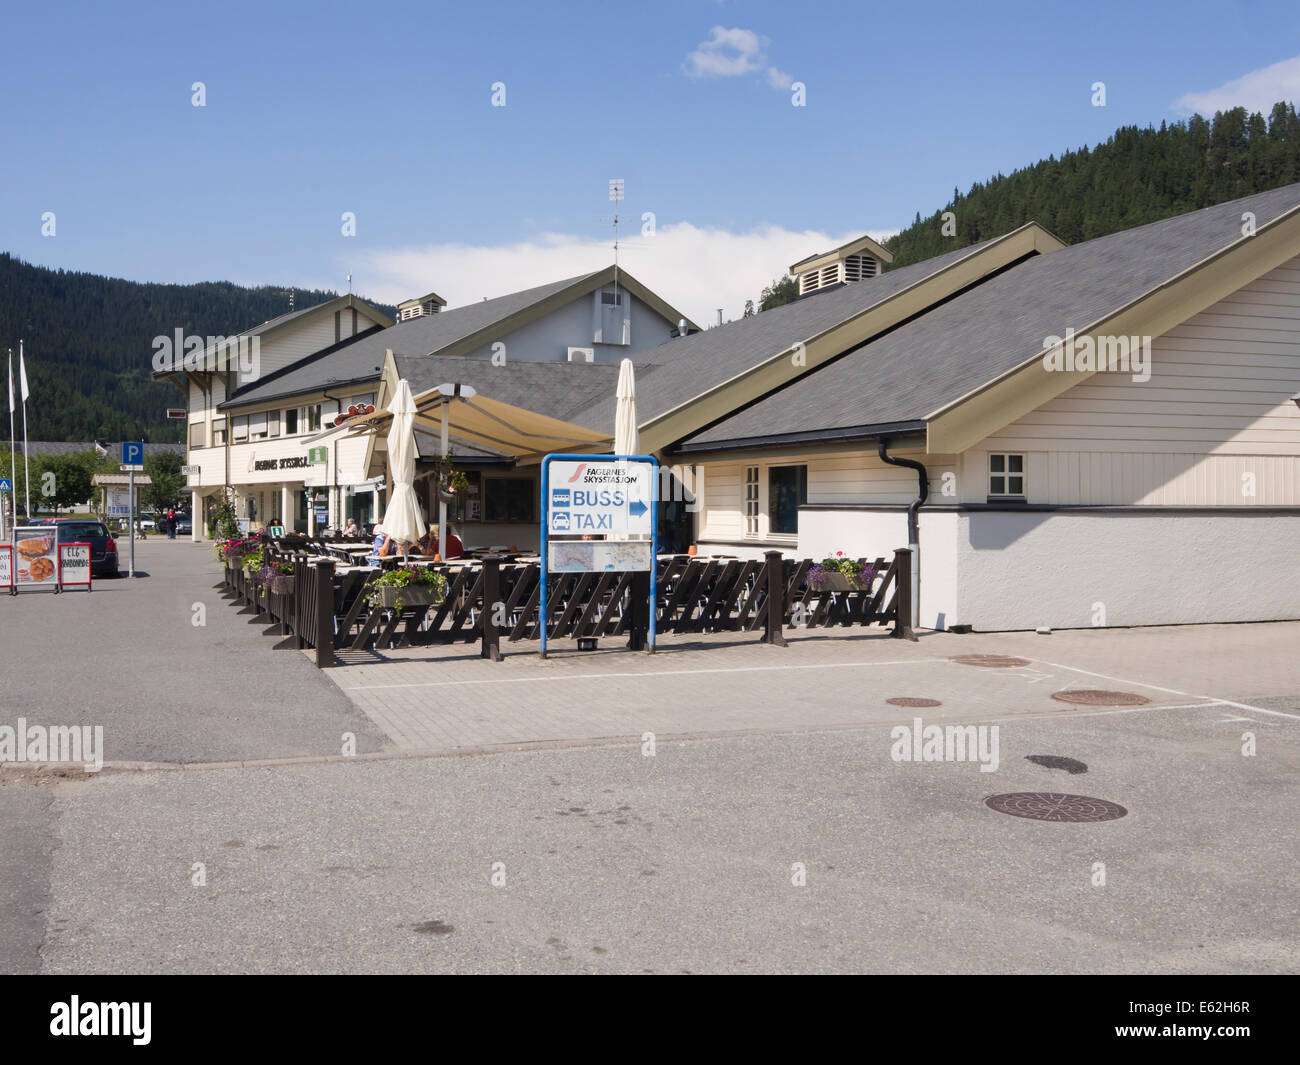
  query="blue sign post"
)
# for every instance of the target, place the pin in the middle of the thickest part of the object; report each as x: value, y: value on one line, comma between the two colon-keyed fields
x: 599, y: 499
x: 132, y: 458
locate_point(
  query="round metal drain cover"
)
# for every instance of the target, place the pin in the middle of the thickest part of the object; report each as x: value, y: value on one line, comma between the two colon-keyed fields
x: 912, y: 700
x: 1051, y: 806
x: 991, y: 661
x: 1093, y: 697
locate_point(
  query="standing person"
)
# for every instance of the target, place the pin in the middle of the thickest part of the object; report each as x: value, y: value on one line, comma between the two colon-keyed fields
x: 171, y: 525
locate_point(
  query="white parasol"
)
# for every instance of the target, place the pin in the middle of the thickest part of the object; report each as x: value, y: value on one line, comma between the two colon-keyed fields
x: 402, y: 519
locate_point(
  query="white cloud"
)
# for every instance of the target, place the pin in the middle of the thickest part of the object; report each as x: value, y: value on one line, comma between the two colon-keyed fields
x: 726, y: 53
x: 779, y: 79
x: 1257, y: 91
x: 730, y: 52
x: 696, y: 269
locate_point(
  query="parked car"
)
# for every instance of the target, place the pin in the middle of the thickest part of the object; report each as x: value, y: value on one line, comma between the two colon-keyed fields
x: 183, y: 525
x: 103, y: 548
x: 146, y: 524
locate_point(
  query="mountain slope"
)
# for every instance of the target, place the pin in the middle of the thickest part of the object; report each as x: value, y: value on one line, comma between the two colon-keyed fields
x: 88, y: 341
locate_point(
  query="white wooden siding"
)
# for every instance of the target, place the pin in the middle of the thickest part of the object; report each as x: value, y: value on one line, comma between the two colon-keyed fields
x: 845, y: 477
x: 1217, y: 407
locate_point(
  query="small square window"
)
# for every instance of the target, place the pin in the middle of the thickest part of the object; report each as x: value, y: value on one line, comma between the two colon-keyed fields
x: 1007, y: 476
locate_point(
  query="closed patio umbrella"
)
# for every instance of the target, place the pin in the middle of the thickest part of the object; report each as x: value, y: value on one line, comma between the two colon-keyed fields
x: 402, y: 518
x: 625, y: 434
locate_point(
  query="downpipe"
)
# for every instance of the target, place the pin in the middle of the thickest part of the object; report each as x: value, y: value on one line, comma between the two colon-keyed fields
x: 913, y: 520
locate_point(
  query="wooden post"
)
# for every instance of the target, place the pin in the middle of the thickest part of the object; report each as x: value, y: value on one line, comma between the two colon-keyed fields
x: 775, y: 622
x: 639, y: 602
x: 325, y: 613
x: 903, y: 595
x: 491, y: 648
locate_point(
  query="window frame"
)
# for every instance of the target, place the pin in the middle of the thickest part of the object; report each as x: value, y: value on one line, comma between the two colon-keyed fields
x: 801, y: 482
x: 1006, y: 474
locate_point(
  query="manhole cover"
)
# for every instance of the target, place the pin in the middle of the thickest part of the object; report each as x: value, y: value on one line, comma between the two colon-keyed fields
x: 1051, y: 806
x: 991, y: 661
x: 1093, y: 697
x: 912, y: 700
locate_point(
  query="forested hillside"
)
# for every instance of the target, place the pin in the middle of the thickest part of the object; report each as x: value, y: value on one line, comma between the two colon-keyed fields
x: 1137, y: 176
x: 88, y: 341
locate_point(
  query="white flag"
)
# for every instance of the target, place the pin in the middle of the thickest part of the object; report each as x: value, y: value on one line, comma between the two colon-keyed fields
x: 22, y: 374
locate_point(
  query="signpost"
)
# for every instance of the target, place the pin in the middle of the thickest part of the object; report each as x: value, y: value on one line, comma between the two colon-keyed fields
x: 6, y: 485
x: 132, y: 463
x: 610, y: 499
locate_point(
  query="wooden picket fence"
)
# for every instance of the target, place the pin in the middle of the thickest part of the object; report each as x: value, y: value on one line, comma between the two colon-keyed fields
x: 496, y: 599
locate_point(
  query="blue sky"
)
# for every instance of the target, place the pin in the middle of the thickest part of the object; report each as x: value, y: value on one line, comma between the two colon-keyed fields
x: 385, y: 110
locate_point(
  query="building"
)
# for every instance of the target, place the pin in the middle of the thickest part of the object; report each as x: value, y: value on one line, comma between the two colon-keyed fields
x: 254, y: 409
x: 974, y: 421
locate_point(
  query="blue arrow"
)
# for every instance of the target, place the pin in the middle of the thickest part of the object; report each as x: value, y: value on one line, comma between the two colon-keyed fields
x: 636, y: 508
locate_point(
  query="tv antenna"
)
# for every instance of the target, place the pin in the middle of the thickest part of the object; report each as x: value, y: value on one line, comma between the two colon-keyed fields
x: 615, y: 197
x: 290, y: 291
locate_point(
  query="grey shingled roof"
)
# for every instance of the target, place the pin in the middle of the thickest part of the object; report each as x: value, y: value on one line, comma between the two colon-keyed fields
x: 961, y: 345
x: 363, y: 359
x: 683, y: 368
x: 581, y: 393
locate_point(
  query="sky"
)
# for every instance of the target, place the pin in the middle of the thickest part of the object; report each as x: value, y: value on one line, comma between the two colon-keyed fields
x: 392, y: 114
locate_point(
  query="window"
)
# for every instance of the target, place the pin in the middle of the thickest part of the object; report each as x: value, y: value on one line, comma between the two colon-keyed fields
x: 239, y: 428
x: 197, y: 434
x: 509, y: 499
x: 751, y: 500
x: 291, y: 422
x: 787, y: 489
x: 218, y: 432
x: 613, y: 318
x: 1007, y: 476
x: 310, y: 419
x: 257, y: 426
x: 273, y: 421
x: 367, y: 400
x: 467, y: 506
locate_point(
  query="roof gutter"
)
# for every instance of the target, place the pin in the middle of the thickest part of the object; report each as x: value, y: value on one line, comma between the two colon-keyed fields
x: 913, y: 520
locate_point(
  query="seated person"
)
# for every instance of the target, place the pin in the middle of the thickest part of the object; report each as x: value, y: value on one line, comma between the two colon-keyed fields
x: 351, y: 528
x: 384, y: 547
x: 429, y: 545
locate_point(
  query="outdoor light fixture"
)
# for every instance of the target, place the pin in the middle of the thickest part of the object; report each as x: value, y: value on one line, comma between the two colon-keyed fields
x: 1296, y: 399
x: 463, y: 391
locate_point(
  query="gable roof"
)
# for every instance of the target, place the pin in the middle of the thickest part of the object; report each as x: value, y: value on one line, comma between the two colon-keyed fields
x: 686, y: 383
x: 960, y: 349
x: 451, y: 333
x: 275, y: 325
x: 853, y: 247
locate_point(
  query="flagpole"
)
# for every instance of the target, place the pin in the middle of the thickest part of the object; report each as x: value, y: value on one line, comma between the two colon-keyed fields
x: 13, y: 459
x: 27, y: 462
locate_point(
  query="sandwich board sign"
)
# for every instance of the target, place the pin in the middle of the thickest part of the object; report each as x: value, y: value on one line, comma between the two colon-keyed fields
x: 591, y: 504
x: 35, y: 564
x: 7, y: 568
x: 74, y: 566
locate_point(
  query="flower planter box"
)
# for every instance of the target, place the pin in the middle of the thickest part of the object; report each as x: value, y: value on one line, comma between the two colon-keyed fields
x: 411, y: 595
x: 839, y: 582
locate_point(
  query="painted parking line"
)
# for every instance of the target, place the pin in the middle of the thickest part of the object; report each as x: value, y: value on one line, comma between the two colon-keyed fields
x: 1175, y: 691
x: 664, y: 673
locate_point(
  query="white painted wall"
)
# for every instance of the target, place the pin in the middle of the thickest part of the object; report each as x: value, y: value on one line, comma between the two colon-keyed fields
x: 1019, y: 570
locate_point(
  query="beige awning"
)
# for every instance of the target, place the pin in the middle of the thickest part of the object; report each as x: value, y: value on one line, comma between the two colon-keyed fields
x: 484, y: 423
